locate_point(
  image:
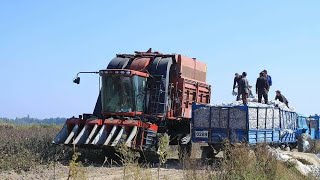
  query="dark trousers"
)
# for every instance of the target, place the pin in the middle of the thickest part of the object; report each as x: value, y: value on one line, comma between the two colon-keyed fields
x: 263, y: 94
x: 238, y: 95
x: 244, y: 98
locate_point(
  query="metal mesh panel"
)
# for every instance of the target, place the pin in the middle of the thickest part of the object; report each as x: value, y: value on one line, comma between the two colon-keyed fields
x: 262, y: 118
x: 202, y: 117
x: 253, y: 116
x: 288, y: 120
x: 223, y: 120
x: 215, y: 117
x: 219, y: 118
x: 276, y: 118
x: 270, y: 118
x: 237, y: 118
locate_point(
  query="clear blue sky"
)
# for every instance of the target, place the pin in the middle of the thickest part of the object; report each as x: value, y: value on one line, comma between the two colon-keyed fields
x: 43, y: 44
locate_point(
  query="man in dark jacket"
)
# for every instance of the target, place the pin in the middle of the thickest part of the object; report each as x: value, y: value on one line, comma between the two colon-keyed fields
x: 281, y: 98
x: 262, y: 88
x: 236, y: 82
x: 244, y: 88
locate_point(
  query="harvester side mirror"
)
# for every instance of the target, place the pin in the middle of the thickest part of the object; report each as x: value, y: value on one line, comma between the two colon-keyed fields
x: 76, y: 80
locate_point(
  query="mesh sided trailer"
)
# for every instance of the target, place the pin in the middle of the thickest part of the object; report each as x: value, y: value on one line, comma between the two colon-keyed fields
x: 213, y: 124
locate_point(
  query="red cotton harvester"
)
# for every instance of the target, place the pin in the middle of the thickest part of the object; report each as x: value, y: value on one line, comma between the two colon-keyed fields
x: 143, y: 96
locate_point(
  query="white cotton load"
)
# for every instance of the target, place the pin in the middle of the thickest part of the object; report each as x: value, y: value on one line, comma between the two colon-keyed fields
x: 261, y: 116
x: 253, y: 102
x: 267, y: 118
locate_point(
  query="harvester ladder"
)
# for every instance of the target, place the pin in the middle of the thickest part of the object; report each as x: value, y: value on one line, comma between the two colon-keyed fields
x: 158, y: 91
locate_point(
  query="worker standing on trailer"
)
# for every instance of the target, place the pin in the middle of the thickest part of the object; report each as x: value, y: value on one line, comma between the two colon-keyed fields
x: 281, y: 98
x: 268, y: 77
x: 244, y: 88
x: 262, y: 88
x: 236, y: 83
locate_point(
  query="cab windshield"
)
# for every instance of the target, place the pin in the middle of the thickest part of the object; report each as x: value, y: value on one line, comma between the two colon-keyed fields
x: 122, y: 93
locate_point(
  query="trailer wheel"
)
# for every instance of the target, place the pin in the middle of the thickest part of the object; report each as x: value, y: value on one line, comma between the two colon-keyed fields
x: 208, y: 153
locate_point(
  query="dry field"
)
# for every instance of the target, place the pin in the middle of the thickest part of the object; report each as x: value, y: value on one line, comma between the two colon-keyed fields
x: 26, y: 152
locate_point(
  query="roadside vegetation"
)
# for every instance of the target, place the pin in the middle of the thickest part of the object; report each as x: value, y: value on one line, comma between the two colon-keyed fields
x: 24, y: 147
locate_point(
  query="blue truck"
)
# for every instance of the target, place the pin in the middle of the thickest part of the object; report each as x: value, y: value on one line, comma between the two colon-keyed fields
x: 252, y: 124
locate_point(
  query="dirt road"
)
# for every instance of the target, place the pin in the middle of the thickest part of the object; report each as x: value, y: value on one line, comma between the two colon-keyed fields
x: 96, y: 173
x: 173, y: 170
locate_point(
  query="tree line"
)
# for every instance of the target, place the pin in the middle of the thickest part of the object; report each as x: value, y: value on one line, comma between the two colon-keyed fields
x: 30, y: 120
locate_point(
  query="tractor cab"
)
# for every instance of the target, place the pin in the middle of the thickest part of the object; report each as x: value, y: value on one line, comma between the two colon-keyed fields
x: 123, y: 92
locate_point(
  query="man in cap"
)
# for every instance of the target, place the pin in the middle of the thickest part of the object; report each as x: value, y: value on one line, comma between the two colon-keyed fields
x: 236, y: 82
x: 244, y: 87
x: 262, y: 88
x: 268, y: 77
x: 281, y: 98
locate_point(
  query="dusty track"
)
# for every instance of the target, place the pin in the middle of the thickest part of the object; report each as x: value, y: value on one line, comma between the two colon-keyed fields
x: 94, y: 173
x: 173, y: 170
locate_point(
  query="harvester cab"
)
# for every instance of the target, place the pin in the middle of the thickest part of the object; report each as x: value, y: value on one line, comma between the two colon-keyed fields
x: 123, y: 92
x: 143, y: 96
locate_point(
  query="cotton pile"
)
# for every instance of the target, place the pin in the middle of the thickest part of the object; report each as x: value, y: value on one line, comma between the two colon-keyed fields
x: 261, y: 116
